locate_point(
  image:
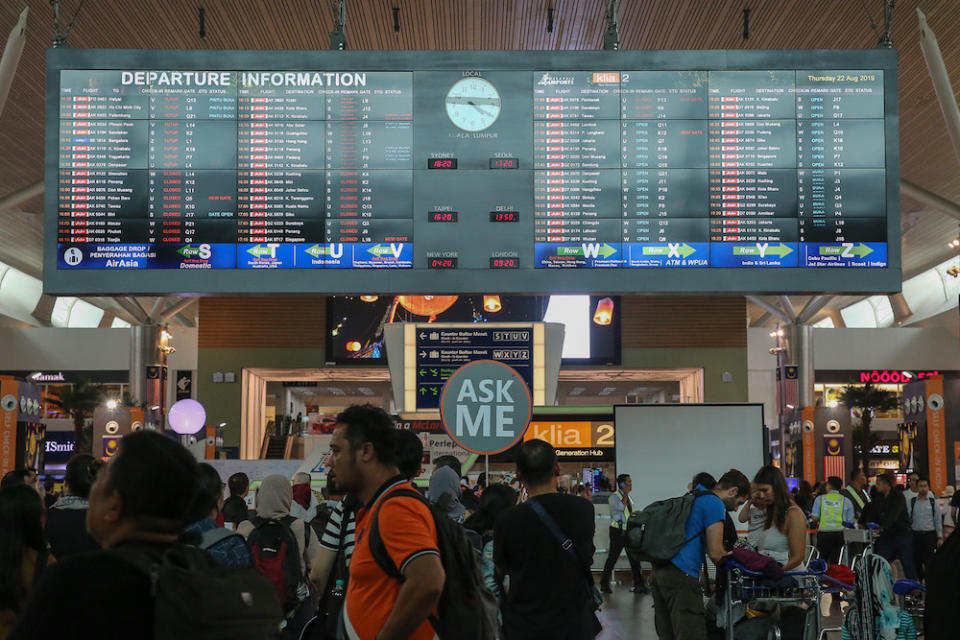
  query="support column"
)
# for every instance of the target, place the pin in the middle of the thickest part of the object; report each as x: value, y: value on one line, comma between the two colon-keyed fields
x: 148, y: 373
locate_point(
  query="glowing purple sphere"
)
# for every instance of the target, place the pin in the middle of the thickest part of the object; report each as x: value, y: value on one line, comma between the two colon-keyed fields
x: 187, y: 417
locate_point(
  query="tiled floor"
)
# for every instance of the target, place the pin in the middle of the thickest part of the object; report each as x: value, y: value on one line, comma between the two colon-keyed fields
x: 629, y: 616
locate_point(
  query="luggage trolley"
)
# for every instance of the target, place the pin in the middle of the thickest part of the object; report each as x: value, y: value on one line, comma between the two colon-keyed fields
x: 745, y: 586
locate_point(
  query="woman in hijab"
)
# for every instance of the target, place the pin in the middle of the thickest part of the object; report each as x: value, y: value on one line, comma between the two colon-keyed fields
x: 274, y: 498
x: 445, y: 493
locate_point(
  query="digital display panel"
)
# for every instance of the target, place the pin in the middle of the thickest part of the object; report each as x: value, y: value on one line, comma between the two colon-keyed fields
x: 627, y: 171
x: 355, y: 324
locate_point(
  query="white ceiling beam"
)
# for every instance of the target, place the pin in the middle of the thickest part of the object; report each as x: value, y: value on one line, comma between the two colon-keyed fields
x: 812, y: 308
x: 788, y: 309
x: 131, y: 306
x: 930, y: 199
x: 175, y: 308
x: 769, y: 308
x: 11, y: 56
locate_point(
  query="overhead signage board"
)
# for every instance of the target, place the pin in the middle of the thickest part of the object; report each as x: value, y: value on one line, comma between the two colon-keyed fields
x: 628, y: 171
x: 485, y: 407
x: 441, y: 351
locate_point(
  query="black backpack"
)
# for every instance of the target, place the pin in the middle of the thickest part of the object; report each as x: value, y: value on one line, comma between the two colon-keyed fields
x: 276, y: 554
x: 467, y: 609
x: 193, y: 597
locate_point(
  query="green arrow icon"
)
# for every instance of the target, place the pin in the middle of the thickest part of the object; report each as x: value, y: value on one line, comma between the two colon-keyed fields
x: 779, y: 250
x: 859, y: 250
x: 189, y: 252
x: 259, y: 251
x: 605, y: 251
x: 379, y: 250
x: 684, y: 250
x: 316, y: 251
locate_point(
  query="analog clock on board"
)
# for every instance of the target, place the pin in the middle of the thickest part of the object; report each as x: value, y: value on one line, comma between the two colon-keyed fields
x: 473, y: 104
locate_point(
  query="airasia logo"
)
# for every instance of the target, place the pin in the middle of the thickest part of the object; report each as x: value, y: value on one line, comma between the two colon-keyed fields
x: 894, y: 377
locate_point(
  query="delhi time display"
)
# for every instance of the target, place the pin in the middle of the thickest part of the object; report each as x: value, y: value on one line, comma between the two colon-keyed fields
x: 750, y: 171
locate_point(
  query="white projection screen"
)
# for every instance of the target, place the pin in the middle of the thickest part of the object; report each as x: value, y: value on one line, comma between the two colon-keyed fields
x: 662, y: 446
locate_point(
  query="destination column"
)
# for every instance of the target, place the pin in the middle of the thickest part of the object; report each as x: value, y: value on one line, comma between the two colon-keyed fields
x: 753, y: 177
x: 280, y: 166
x: 664, y: 155
x: 576, y: 137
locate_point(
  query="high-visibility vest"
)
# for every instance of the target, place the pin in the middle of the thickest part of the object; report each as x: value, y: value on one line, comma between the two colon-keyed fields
x: 627, y: 510
x: 858, y: 500
x: 831, y: 511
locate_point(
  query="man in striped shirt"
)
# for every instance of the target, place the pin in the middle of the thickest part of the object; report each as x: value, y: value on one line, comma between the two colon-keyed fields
x: 409, y: 463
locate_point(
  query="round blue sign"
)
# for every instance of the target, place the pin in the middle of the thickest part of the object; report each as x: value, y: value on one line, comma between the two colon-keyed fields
x: 485, y: 407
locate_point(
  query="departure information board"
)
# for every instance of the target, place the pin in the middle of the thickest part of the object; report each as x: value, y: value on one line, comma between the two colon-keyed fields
x: 458, y: 172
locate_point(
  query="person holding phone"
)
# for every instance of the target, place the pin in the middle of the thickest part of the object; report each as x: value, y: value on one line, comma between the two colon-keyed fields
x: 621, y: 506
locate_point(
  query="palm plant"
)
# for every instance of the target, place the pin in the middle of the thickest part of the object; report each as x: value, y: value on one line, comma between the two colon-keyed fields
x: 869, y: 400
x: 79, y: 402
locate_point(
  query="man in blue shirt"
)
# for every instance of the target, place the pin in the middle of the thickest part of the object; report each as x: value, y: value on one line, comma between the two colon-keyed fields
x: 677, y: 598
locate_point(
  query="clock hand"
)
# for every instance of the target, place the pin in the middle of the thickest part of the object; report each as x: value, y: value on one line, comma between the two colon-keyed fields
x: 493, y: 102
x: 483, y: 112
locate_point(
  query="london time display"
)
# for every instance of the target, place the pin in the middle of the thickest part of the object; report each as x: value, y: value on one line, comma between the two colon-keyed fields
x: 744, y: 171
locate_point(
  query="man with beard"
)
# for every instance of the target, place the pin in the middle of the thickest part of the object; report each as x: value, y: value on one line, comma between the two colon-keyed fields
x: 677, y: 598
x: 379, y: 607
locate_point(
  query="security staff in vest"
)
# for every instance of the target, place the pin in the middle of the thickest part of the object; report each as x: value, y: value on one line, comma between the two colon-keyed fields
x: 856, y: 491
x: 621, y: 506
x: 832, y: 512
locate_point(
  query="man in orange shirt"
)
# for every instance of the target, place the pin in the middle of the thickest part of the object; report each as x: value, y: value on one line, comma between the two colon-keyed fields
x: 378, y: 607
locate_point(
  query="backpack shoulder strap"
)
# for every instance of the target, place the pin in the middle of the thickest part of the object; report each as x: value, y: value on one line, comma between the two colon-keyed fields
x: 379, y: 550
x: 913, y: 505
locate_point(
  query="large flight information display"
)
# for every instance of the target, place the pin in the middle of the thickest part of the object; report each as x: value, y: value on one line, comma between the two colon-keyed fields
x: 459, y: 172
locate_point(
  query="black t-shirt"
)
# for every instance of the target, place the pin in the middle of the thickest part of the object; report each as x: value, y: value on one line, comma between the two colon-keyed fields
x: 66, y: 531
x: 235, y: 510
x: 89, y: 595
x: 548, y: 595
x: 955, y: 500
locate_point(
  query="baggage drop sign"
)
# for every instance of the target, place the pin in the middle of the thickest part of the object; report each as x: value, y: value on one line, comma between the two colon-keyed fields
x: 485, y: 407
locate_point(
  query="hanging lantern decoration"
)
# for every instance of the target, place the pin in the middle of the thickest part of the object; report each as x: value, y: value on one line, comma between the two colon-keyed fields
x: 353, y: 346
x: 430, y: 306
x: 604, y: 313
x: 492, y: 304
x: 369, y: 298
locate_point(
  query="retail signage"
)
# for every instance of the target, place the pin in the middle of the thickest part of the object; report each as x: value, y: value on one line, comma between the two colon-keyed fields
x: 485, y: 406
x: 184, y: 385
x: 420, y: 426
x: 887, y: 376
x: 442, y: 350
x: 48, y: 377
x: 9, y: 405
x: 887, y: 448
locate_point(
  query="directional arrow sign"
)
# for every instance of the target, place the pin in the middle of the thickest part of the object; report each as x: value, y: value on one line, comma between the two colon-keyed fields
x: 685, y: 250
x: 860, y: 250
x: 189, y: 252
x: 259, y: 251
x: 316, y: 251
x: 774, y: 250
x: 380, y: 250
x: 606, y: 251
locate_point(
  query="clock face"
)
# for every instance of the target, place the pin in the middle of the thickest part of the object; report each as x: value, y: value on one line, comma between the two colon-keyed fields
x: 473, y: 104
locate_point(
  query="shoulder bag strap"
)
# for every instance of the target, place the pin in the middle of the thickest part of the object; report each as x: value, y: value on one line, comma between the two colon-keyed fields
x: 565, y: 542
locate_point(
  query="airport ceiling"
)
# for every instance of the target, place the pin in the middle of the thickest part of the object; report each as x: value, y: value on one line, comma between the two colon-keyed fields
x: 927, y: 158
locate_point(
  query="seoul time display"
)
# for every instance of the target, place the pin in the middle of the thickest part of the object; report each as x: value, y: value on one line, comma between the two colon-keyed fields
x: 201, y: 171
